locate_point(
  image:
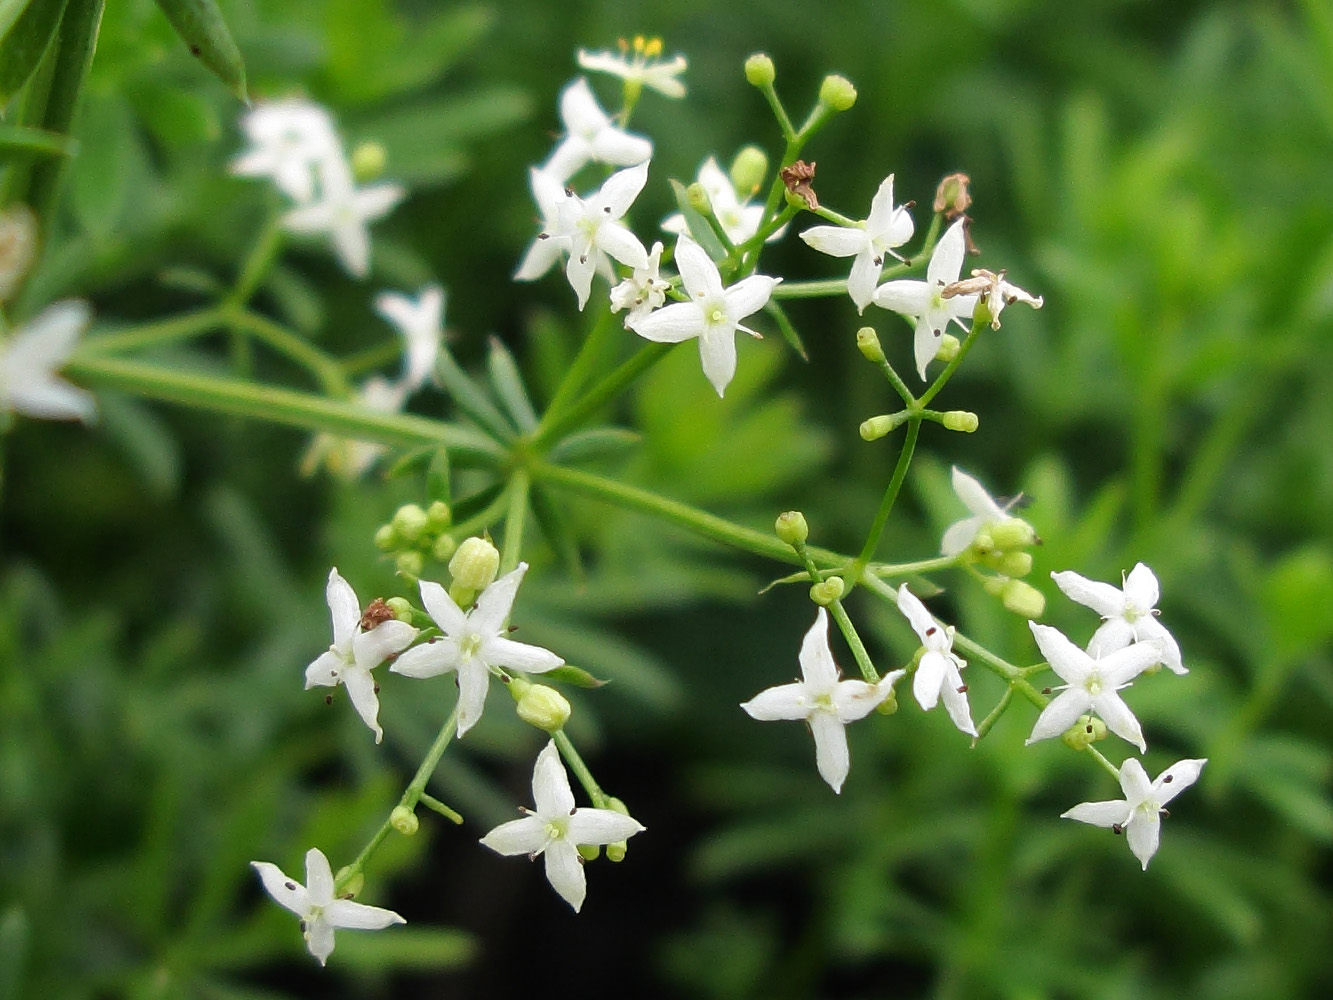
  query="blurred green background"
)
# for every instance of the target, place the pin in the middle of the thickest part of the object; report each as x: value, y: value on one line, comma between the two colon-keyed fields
x: 1159, y: 171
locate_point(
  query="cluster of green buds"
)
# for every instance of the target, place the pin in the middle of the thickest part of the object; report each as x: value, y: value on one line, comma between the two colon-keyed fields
x: 1003, y: 547
x: 413, y: 535
x: 876, y: 427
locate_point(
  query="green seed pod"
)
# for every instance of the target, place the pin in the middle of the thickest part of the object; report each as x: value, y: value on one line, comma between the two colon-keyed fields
x: 1023, y: 599
x: 444, y: 548
x: 748, y: 170
x: 368, y: 161
x: 386, y: 539
x: 867, y: 342
x: 410, y: 564
x: 760, y: 71
x: 544, y: 707
x: 837, y: 92
x: 401, y: 608
x: 404, y: 820
x: 1013, y: 533
x: 439, y: 516
x: 589, y: 852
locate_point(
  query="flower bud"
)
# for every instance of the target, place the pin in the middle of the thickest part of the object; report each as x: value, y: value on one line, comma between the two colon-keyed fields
x: 401, y: 608
x: 961, y: 420
x: 353, y: 885
x: 589, y: 852
x: 409, y: 521
x: 544, y: 707
x: 1013, y: 533
x: 1083, y: 733
x: 404, y: 820
x: 1015, y: 564
x: 1023, y: 599
x: 616, y: 852
x: 951, y: 197
x: 837, y: 92
x: 759, y: 70
x: 827, y: 591
x: 867, y: 342
x: 876, y: 427
x: 475, y: 564
x: 443, y: 548
x: 748, y: 171
x: 697, y: 195
x: 982, y: 542
x: 791, y: 527
x: 386, y: 539
x: 368, y: 161
x: 410, y: 563
x: 948, y: 348
x: 438, y: 516
x: 889, y: 706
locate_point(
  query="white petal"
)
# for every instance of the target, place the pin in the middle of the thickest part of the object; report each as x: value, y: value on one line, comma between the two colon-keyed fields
x: 1119, y: 719
x: 786, y: 701
x: 960, y: 535
x: 47, y: 340
x: 1143, y: 834
x: 286, y: 892
x: 1151, y: 630
x: 1103, y: 814
x: 974, y: 495
x: 717, y: 355
x: 831, y: 754
x: 318, y: 877
x: 1103, y: 598
x: 906, y: 296
x: 496, y: 602
x: 579, y: 270
x: 1111, y: 636
x: 837, y: 241
x: 620, y: 190
x: 351, y: 242
x: 1122, y: 666
x: 502, y: 652
x: 372, y: 202
x: 1060, y: 714
x: 853, y: 700
x: 361, y: 692
x: 1176, y: 778
x: 568, y: 159
x: 1141, y: 588
x: 428, y: 660
x: 621, y: 244
x: 352, y: 915
x: 325, y: 671
x: 817, y: 666
x: 916, y: 614
x: 929, y: 679
x: 384, y: 640
x: 1134, y: 782
x: 947, y: 260
x: 442, y: 609
x: 550, y: 785
x: 749, y: 295
x: 698, y: 273
x: 601, y: 826
x: 866, y: 270
x: 474, y: 681
x: 955, y: 702
x: 52, y: 399
x: 925, y: 344
x: 579, y: 109
x: 518, y: 836
x: 564, y: 870
x: 319, y: 938
x: 671, y: 324
x: 344, y: 609
x: 1068, y: 661
x: 620, y: 149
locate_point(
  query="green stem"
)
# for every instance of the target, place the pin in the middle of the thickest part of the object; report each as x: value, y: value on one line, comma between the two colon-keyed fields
x: 853, y: 638
x: 887, y: 502
x: 156, y: 333
x: 602, y: 393
x: 1096, y: 755
x: 952, y: 366
x: 431, y: 802
x: 580, y: 769
x: 984, y: 726
x: 485, y: 517
x: 257, y: 264
x: 810, y: 289
x: 908, y: 568
x: 328, y: 371
x: 519, y: 485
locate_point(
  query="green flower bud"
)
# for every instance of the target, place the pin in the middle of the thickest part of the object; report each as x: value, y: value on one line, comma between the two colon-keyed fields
x: 698, y: 198
x: 404, y: 820
x: 616, y: 852
x: 994, y: 585
x: 837, y: 92
x: 791, y: 527
x: 409, y: 521
x: 518, y: 687
x: 386, y: 539
x: 948, y: 348
x: 1013, y: 533
x: 827, y: 591
x: 889, y: 706
x: 748, y: 171
x: 439, y: 516
x: 867, y: 342
x: 544, y: 707
x: 983, y: 542
x: 759, y: 70
x: 443, y: 548
x: 474, y: 565
x: 961, y: 420
x: 1015, y: 564
x: 401, y: 608
x: 589, y: 852
x: 876, y: 427
x: 1023, y: 599
x: 353, y: 885
x: 368, y: 161
x: 410, y: 563
x: 1085, y: 732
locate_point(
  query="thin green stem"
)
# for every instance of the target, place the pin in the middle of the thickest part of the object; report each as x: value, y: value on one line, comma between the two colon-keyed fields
x: 811, y: 289
x: 942, y: 379
x: 434, y: 804
x: 984, y: 726
x: 156, y: 333
x: 853, y: 638
x: 896, y: 380
x: 519, y: 485
x: 779, y: 112
x: 580, y: 769
x: 291, y: 345
x: 600, y: 394
x: 1096, y: 755
x: 257, y: 264
x: 887, y: 502
x: 484, y: 518
x: 909, y: 568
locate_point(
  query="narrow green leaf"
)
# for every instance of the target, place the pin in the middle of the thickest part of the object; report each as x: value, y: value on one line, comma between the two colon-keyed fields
x: 595, y: 443
x: 438, y: 485
x: 570, y: 674
x: 507, y: 382
x: 698, y: 226
x: 204, y: 31
x: 28, y: 38
x: 470, y: 399
x: 18, y: 140
x: 789, y: 333
x: 10, y: 10
x: 555, y: 528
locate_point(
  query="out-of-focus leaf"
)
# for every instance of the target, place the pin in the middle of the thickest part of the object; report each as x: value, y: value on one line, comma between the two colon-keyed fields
x: 507, y: 383
x: 139, y: 432
x: 297, y: 299
x: 10, y: 11
x: 1297, y: 598
x: 177, y: 118
x: 595, y: 443
x: 204, y: 31
x: 438, y: 482
x: 14, y: 933
x: 111, y: 168
x: 23, y: 45
x: 402, y: 948
x: 555, y: 527
x: 569, y: 674
x: 698, y: 226
x: 18, y: 140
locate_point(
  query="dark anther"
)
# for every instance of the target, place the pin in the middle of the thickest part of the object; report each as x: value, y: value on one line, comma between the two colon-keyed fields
x: 1089, y: 728
x: 1117, y: 829
x: 1168, y: 778
x: 607, y: 209
x: 931, y: 631
x: 1045, y: 690
x: 290, y: 884
x: 328, y: 699
x: 962, y: 689
x: 1166, y: 813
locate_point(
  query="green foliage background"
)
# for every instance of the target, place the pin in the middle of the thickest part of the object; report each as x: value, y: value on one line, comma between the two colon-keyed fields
x: 1158, y: 171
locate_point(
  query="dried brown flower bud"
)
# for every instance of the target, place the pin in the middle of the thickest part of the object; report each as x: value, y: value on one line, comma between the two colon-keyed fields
x: 952, y: 197
x: 377, y: 613
x: 797, y: 177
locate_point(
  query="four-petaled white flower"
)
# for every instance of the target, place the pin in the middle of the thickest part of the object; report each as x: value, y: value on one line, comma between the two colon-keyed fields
x: 937, y: 672
x: 591, y: 137
x: 997, y: 292
x: 554, y: 828
x: 1129, y: 613
x: 713, y: 313
x: 644, y: 68
x: 343, y: 211
x: 923, y: 301
x: 421, y: 323
x: 984, y: 513
x: 1091, y: 685
x: 870, y: 242
x: 313, y: 902
x: 354, y: 653
x: 289, y: 140
x: 473, y: 643
x: 1138, y: 815
x: 33, y: 354
x: 642, y: 292
x: 738, y: 218
x: 823, y: 701
x: 590, y: 231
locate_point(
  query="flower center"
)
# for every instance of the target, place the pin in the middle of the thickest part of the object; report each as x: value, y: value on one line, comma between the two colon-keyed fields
x: 469, y: 645
x: 1094, y: 685
x: 556, y: 828
x: 715, y: 314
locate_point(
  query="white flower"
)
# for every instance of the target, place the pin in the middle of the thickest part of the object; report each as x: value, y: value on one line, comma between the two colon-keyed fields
x: 344, y: 456
x: 589, y: 231
x: 643, y: 291
x: 313, y: 902
x: 985, y: 512
x: 885, y: 228
x: 354, y: 653
x: 737, y: 217
x: 591, y: 136
x: 289, y: 139
x: 343, y: 211
x: 1091, y: 685
x: 937, y: 672
x: 1130, y: 613
x: 556, y: 829
x: 422, y: 325
x: 643, y: 69
x: 997, y: 292
x: 33, y: 354
x: 473, y: 643
x: 1138, y: 815
x: 713, y: 313
x: 823, y: 701
x: 923, y: 301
